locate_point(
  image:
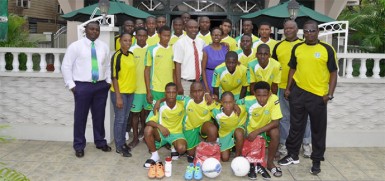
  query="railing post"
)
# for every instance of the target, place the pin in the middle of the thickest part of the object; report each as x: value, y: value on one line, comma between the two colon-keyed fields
x: 363, y: 68
x: 29, y: 62
x: 15, y: 62
x: 376, y: 68
x: 56, y: 64
x: 349, y: 68
x: 2, y: 62
x: 43, y: 63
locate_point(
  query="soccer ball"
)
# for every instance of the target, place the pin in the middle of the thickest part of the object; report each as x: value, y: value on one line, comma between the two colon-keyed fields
x: 211, y: 167
x: 240, y: 166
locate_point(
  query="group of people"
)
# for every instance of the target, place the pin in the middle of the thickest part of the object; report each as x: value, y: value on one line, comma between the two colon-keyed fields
x: 186, y: 84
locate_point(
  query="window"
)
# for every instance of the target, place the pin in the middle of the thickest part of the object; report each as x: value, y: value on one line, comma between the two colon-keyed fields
x: 23, y: 3
x: 59, y: 10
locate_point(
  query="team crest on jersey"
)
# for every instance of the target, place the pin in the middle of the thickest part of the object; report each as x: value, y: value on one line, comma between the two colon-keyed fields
x: 238, y: 81
x: 205, y: 112
x: 317, y: 54
x: 266, y: 112
x: 271, y: 76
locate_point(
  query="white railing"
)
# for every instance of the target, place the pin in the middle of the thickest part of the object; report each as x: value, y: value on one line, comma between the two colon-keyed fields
x: 56, y: 52
x: 345, y: 60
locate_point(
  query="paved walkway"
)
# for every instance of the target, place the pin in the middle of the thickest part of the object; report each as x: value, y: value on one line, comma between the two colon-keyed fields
x: 45, y: 160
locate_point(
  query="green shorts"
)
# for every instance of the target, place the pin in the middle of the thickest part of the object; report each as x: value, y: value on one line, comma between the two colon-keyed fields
x: 169, y: 139
x: 227, y: 142
x: 157, y: 95
x: 193, y: 137
x: 140, y: 103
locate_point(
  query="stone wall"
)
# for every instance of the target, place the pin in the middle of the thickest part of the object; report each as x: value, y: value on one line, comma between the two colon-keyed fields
x: 40, y: 108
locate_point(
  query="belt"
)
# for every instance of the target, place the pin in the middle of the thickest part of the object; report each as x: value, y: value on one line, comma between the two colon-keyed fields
x: 193, y: 80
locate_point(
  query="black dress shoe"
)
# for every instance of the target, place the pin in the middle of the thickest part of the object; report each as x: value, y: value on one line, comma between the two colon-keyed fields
x: 104, y: 148
x: 79, y: 153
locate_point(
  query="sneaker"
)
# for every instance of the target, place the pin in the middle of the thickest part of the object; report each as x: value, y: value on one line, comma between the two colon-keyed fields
x: 306, y: 150
x: 252, y: 175
x: 189, y: 172
x: 198, y: 172
x: 282, y: 149
x: 261, y: 170
x: 316, y: 168
x: 152, y: 171
x: 124, y: 152
x: 190, y: 159
x: 175, y: 155
x: 288, y: 159
x: 159, y: 170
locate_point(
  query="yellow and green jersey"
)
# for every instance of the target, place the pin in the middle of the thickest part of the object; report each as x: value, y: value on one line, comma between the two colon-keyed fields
x: 282, y: 53
x: 117, y: 42
x: 229, y: 123
x: 173, y: 39
x: 226, y: 81
x: 231, y: 42
x: 270, y: 74
x: 244, y: 59
x: 170, y: 118
x: 123, y: 68
x: 139, y: 57
x: 206, y: 38
x: 271, y: 43
x: 238, y: 39
x: 196, y: 113
x: 313, y: 64
x: 259, y: 116
x: 160, y: 59
x: 152, y: 40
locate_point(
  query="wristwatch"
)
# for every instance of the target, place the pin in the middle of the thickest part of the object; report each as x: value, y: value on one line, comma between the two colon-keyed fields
x: 330, y: 97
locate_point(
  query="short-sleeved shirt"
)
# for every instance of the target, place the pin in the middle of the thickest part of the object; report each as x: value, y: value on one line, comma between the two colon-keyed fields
x: 282, y: 53
x: 244, y: 59
x: 170, y: 118
x: 173, y: 39
x: 259, y: 116
x: 230, y: 82
x: 159, y: 58
x: 253, y: 39
x: 228, y: 123
x: 196, y: 113
x: 152, y: 40
x: 207, y: 38
x: 271, y: 43
x: 139, y: 57
x: 126, y: 74
x: 184, y: 54
x: 270, y: 74
x: 231, y: 42
x: 313, y: 64
x: 117, y: 42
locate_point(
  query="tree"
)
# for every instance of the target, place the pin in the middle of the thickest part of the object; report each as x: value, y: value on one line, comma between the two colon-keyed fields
x: 368, y: 22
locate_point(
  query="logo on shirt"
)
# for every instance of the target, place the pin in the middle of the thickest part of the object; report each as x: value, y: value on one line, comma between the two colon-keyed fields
x: 137, y: 56
x: 205, y: 112
x: 190, y: 110
x: 317, y: 54
x: 255, y: 114
x: 266, y: 112
x: 180, y: 113
x: 238, y: 81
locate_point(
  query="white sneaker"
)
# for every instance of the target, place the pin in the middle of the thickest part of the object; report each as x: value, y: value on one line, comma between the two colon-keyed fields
x: 282, y: 149
x: 306, y: 150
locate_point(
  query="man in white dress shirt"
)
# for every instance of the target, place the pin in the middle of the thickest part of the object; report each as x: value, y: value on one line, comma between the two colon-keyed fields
x: 188, y: 57
x: 87, y: 73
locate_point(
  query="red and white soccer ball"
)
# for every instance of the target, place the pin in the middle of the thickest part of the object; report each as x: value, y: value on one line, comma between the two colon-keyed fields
x: 240, y: 166
x: 211, y: 167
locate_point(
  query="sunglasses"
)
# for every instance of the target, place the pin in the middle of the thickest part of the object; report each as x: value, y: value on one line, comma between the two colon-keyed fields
x: 309, y: 31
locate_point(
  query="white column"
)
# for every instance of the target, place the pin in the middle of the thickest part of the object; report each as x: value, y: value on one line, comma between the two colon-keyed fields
x: 363, y: 69
x: 43, y: 63
x: 15, y: 62
x: 56, y: 63
x: 29, y: 62
x: 2, y: 62
x: 349, y: 68
x: 376, y: 68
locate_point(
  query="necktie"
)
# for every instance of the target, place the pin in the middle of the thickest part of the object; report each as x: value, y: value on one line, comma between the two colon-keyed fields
x: 196, y: 56
x: 95, y: 67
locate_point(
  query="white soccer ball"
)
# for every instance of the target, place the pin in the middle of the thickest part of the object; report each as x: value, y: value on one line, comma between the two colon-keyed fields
x: 240, y: 166
x: 211, y: 167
